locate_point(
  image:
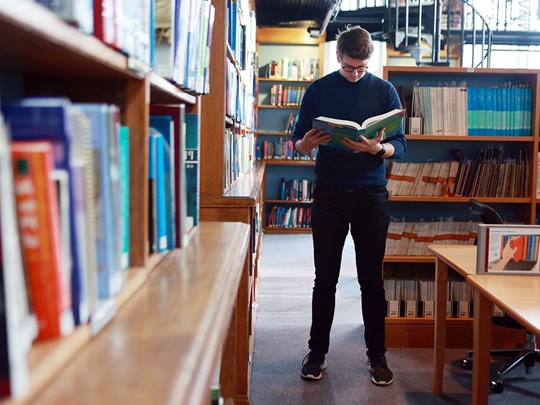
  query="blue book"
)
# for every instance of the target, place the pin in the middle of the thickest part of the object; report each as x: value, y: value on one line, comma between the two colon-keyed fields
x: 192, y: 169
x: 46, y: 118
x: 161, y: 194
x: 107, y: 215
x: 164, y: 124
x: 158, y: 219
x: 176, y: 112
x: 123, y: 175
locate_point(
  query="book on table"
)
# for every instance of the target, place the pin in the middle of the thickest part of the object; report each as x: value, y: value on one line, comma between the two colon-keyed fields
x: 508, y: 249
x: 339, y: 129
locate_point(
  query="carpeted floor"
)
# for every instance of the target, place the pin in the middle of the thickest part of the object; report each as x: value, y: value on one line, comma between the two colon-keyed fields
x: 282, y: 331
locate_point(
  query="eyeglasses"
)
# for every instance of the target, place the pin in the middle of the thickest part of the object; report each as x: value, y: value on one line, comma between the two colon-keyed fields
x: 350, y: 69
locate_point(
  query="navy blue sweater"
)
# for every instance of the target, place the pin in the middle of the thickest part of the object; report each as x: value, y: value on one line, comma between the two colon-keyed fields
x: 336, y: 97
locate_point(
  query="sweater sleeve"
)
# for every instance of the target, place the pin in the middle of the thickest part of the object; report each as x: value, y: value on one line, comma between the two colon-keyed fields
x: 305, y: 116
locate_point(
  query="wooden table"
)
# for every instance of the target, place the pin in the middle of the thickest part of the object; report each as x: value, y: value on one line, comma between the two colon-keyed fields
x: 518, y: 296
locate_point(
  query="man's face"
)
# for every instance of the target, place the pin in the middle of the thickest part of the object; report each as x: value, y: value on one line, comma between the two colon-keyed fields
x: 352, y: 69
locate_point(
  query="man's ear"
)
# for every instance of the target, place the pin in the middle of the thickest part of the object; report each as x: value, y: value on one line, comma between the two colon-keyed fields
x: 338, y: 57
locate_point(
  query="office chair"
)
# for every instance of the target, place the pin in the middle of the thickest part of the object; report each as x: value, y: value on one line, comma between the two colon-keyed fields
x: 529, y: 354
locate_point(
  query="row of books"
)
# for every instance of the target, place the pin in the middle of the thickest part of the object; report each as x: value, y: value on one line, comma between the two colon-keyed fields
x: 173, y: 37
x: 281, y: 95
x: 239, y: 100
x: 296, y: 190
x: 241, y: 27
x: 280, y: 216
x: 281, y: 149
x: 500, y: 111
x: 287, y: 69
x: 415, y: 298
x: 239, y: 154
x: 462, y: 110
x: 173, y: 176
x: 408, y: 238
x: 65, y: 212
x: 68, y: 166
x: 182, y: 46
x: 126, y: 25
x: 489, y: 174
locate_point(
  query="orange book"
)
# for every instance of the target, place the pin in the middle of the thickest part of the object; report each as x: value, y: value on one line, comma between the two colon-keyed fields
x: 36, y: 196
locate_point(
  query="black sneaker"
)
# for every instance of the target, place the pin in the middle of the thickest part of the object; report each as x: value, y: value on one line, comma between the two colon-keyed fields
x: 313, y: 365
x: 380, y: 372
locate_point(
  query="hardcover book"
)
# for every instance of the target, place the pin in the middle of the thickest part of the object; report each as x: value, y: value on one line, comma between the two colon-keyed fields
x: 508, y: 249
x: 339, y: 129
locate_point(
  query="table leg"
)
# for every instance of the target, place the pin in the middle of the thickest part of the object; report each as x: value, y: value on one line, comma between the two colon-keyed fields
x: 439, y: 332
x: 481, y: 348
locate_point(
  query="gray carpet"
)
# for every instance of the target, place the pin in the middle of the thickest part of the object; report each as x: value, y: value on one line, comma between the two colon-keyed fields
x: 282, y: 331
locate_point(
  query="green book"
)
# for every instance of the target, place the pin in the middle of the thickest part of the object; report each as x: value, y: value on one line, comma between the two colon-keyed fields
x: 340, y: 129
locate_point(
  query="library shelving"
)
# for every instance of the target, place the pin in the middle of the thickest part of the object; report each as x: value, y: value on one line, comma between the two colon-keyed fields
x: 231, y: 184
x: 429, y: 148
x: 178, y: 311
x: 288, y: 61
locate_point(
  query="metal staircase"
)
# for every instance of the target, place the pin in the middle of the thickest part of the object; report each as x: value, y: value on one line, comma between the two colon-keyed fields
x: 431, y: 30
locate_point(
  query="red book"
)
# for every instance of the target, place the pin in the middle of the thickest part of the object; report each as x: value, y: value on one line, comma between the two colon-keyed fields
x: 36, y: 196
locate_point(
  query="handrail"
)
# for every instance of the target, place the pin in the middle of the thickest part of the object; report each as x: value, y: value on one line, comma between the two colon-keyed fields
x: 480, y: 34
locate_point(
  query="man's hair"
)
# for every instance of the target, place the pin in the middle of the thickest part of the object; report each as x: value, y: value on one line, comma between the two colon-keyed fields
x: 355, y: 42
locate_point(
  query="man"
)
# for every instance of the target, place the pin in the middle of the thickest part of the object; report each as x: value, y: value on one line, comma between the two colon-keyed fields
x: 350, y: 193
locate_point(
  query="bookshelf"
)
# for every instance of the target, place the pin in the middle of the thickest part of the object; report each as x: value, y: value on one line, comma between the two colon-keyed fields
x: 521, y: 207
x: 231, y: 183
x: 278, y: 100
x: 182, y: 303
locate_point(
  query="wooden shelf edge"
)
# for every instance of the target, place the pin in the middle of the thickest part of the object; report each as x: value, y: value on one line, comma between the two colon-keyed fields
x: 409, y: 259
x: 289, y: 162
x: 47, y: 358
x: 164, y: 90
x: 425, y: 199
x: 273, y: 230
x: 37, y: 22
x: 287, y: 202
x: 487, y: 138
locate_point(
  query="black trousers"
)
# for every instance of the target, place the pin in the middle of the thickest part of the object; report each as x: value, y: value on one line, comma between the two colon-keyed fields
x: 365, y: 212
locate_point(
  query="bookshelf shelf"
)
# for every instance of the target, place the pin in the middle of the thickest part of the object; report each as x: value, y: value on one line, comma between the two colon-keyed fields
x: 202, y: 282
x: 278, y: 107
x: 289, y: 162
x: 271, y: 230
x: 421, y: 199
x: 467, y: 138
x: 286, y: 202
x: 45, y: 43
x: 163, y: 91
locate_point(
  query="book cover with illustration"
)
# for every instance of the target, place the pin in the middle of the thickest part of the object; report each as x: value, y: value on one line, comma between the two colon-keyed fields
x: 508, y: 249
x: 339, y: 129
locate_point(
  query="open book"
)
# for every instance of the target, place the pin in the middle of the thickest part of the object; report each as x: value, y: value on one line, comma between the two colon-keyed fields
x: 339, y: 129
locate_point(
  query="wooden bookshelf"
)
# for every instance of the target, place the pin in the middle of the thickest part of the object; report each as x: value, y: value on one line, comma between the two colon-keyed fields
x: 177, y: 310
x: 163, y: 344
x: 239, y: 201
x: 418, y: 332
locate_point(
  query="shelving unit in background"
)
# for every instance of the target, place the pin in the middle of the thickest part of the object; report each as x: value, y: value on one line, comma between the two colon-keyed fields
x: 417, y: 331
x: 275, y: 107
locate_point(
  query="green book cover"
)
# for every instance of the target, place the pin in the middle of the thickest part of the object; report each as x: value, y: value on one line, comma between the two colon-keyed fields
x: 340, y: 129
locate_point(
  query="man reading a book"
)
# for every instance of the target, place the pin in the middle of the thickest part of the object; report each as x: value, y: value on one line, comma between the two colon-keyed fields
x: 350, y: 194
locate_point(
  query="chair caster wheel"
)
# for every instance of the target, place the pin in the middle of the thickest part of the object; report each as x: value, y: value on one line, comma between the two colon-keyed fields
x: 496, y: 386
x: 466, y: 364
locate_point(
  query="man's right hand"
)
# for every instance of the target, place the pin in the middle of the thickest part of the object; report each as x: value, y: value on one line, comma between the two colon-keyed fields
x: 313, y: 138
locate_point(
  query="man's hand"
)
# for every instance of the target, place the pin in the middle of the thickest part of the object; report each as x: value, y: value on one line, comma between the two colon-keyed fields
x: 313, y: 138
x: 363, y: 144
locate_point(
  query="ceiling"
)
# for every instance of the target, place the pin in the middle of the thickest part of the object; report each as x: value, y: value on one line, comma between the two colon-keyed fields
x: 321, y: 15
x: 295, y: 13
